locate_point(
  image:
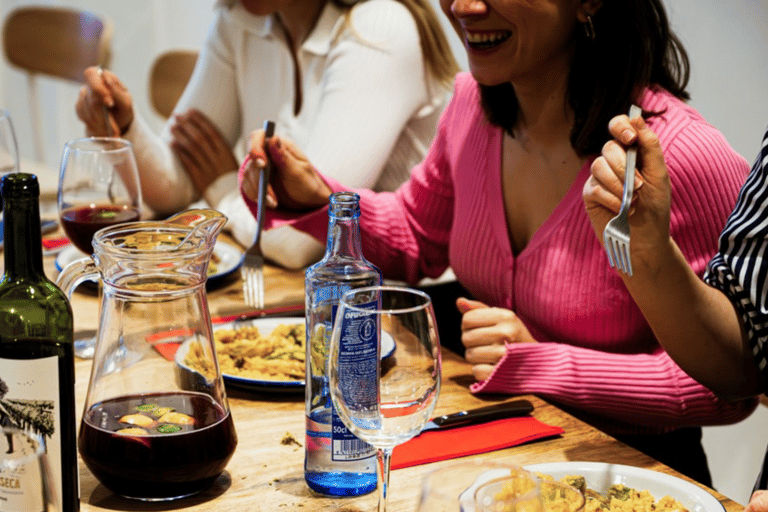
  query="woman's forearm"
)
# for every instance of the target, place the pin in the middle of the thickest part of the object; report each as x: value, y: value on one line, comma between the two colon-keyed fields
x: 165, y: 187
x: 695, y: 323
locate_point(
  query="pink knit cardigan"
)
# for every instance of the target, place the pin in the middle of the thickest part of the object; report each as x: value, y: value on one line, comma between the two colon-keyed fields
x: 596, y: 352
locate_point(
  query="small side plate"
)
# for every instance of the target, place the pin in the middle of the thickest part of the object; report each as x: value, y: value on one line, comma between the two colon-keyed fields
x: 228, y: 259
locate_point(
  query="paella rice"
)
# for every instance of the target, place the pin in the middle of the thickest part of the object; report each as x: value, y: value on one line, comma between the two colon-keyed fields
x: 246, y: 352
x: 620, y: 498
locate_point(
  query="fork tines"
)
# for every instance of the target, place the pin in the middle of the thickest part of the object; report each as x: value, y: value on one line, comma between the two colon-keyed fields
x: 252, y: 270
x: 616, y: 233
x: 252, y: 273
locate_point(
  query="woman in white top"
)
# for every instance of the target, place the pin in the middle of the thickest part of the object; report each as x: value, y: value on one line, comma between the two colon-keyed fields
x: 357, y: 85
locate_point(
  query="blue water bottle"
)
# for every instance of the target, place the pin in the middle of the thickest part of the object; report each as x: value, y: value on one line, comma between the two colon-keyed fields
x: 336, y: 462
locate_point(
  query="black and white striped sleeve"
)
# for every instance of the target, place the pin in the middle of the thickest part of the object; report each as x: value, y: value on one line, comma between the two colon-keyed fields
x: 740, y: 268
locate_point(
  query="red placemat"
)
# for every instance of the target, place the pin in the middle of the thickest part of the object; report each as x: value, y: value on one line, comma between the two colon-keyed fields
x: 54, y: 243
x: 453, y: 443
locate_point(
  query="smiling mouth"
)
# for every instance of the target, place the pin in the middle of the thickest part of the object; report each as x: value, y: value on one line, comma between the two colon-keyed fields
x: 486, y: 40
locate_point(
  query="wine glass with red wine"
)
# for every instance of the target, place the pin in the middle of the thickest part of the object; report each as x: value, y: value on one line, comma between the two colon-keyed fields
x: 98, y: 187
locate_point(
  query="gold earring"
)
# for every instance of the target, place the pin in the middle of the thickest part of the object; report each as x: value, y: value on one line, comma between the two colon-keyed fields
x: 589, y: 28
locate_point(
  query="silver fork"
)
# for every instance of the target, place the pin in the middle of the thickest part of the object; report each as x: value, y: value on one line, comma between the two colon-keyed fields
x: 105, y: 113
x: 616, y: 233
x: 252, y: 270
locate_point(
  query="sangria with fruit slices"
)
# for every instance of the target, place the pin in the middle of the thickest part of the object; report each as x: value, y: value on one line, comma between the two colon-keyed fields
x: 159, y: 446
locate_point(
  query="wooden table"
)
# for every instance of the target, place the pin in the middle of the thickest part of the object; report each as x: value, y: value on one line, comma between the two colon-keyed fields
x: 265, y: 474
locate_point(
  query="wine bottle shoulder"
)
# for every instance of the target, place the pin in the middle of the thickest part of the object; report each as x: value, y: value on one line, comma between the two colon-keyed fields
x: 34, y: 308
x: 34, y: 289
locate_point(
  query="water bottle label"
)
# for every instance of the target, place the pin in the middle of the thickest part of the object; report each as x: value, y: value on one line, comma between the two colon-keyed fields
x: 345, y: 446
x: 29, y: 394
x: 359, y: 368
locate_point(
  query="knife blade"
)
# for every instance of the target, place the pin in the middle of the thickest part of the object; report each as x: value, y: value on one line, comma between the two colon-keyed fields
x: 509, y: 409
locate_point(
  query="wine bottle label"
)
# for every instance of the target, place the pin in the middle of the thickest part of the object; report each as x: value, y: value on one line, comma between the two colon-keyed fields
x: 358, y: 367
x: 21, y: 474
x: 29, y: 401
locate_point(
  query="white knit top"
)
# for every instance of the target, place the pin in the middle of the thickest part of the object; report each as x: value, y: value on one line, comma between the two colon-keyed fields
x: 368, y: 116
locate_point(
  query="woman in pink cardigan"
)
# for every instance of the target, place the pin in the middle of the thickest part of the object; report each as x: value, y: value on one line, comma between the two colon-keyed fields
x: 499, y: 199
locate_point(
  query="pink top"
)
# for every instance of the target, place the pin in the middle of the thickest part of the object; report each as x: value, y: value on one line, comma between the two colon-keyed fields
x: 596, y: 352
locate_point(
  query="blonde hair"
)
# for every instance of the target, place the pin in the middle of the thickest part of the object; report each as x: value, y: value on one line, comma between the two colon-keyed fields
x: 435, y: 49
x: 434, y: 44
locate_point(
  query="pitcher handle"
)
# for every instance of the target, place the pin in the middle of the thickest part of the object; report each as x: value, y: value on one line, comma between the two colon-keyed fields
x: 75, y: 273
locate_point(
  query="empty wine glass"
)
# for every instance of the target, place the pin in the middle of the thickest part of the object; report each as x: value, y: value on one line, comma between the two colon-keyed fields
x: 25, y: 470
x: 98, y: 188
x: 384, y: 402
x: 9, y: 148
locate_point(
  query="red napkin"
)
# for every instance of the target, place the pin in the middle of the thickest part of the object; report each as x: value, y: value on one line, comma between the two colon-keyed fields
x: 173, y: 340
x: 437, y: 445
x: 54, y: 243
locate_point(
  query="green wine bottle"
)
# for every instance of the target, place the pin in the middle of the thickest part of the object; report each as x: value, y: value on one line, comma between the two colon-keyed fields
x: 37, y: 367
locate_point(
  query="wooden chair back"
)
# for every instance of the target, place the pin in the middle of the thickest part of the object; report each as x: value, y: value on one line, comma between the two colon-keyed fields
x: 56, y: 42
x: 168, y: 78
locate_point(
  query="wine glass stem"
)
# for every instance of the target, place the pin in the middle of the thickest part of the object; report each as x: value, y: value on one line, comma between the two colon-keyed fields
x: 383, y: 458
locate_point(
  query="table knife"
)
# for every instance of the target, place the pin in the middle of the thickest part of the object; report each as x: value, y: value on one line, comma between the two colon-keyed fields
x: 509, y: 409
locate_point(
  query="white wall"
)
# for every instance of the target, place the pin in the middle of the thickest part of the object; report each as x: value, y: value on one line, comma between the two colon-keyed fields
x: 143, y: 28
x: 727, y: 43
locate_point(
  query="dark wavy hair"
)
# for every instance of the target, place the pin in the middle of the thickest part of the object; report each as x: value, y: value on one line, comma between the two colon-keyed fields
x: 634, y: 48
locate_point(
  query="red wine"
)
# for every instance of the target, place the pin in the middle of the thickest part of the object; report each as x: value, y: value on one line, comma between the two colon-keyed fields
x: 168, y: 459
x: 81, y: 222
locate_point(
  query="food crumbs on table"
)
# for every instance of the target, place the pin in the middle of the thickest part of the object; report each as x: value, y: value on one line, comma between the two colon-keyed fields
x: 288, y: 439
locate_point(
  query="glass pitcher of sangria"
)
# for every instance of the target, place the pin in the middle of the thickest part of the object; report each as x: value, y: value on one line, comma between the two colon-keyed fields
x: 156, y: 424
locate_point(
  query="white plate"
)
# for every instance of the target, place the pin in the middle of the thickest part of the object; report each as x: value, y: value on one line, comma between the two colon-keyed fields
x: 67, y: 255
x: 266, y: 326
x: 230, y: 258
x: 467, y: 498
x: 600, y: 476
